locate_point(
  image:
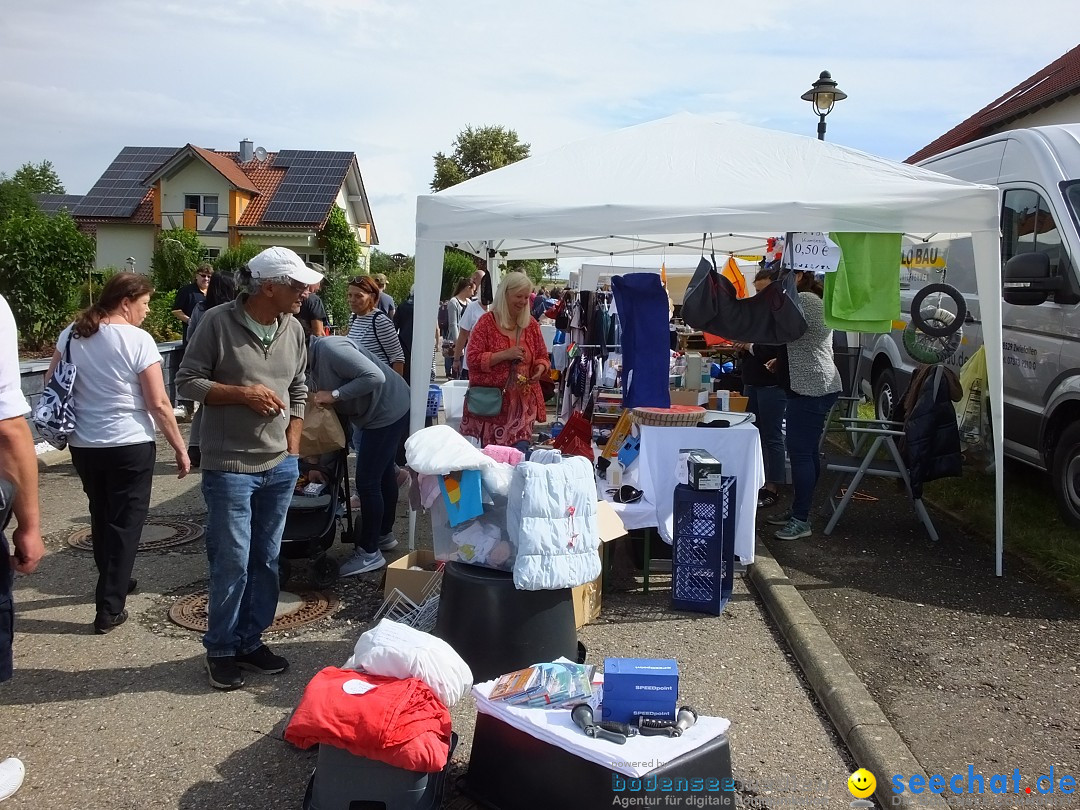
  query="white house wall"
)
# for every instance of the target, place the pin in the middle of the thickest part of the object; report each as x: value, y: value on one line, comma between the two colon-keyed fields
x: 116, y: 242
x: 1063, y: 112
x: 195, y: 178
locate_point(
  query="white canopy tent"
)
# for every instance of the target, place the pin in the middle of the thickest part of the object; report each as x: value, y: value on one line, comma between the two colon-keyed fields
x: 657, y: 187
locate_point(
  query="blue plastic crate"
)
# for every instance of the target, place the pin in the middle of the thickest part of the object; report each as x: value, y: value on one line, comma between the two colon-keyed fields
x: 434, y: 400
x: 703, y: 551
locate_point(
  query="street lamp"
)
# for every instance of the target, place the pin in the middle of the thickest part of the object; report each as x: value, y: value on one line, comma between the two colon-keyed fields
x: 823, y: 94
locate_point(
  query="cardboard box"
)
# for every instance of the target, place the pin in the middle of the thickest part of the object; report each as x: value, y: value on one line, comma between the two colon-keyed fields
x: 703, y: 471
x: 587, y: 597
x: 641, y: 680
x: 411, y: 583
x: 682, y: 396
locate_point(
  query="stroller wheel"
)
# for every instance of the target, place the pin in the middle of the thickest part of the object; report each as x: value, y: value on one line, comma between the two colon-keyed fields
x: 324, y: 571
x: 284, y: 572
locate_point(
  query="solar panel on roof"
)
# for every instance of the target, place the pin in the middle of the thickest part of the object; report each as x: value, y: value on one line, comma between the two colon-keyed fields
x: 310, y: 185
x: 120, y: 189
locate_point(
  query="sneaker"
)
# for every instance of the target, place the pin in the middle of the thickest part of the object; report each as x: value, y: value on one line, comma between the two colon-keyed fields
x: 767, y: 498
x: 224, y: 673
x: 794, y: 530
x: 12, y: 773
x: 262, y: 660
x: 107, y: 622
x: 361, y: 562
x: 779, y: 520
x: 387, y: 542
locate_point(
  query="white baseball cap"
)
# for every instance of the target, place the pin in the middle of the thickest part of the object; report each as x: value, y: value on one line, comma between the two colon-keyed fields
x: 275, y: 262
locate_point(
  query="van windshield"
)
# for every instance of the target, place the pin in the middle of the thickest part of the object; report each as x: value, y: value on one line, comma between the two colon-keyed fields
x: 1071, y: 191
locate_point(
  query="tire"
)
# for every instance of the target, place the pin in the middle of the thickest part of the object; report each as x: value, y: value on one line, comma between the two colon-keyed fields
x: 284, y: 572
x: 1065, y: 474
x: 938, y: 329
x: 324, y: 572
x: 886, y: 397
x: 925, y: 348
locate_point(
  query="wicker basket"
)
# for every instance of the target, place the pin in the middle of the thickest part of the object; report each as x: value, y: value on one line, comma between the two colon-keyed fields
x: 675, y: 416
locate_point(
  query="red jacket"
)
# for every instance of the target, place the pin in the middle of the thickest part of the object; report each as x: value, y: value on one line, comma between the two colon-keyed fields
x: 400, y: 722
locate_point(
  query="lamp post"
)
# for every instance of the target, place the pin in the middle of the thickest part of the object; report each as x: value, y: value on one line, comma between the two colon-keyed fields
x: 823, y: 94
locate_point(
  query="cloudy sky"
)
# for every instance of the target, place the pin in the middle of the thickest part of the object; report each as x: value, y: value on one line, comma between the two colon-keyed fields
x: 396, y: 80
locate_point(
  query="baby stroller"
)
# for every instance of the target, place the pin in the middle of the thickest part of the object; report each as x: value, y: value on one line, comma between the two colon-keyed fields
x: 311, y: 524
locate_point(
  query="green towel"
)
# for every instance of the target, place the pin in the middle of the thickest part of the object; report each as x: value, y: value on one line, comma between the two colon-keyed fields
x: 863, y: 295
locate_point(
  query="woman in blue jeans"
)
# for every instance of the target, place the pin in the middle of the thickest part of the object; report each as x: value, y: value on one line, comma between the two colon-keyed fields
x: 375, y: 400
x: 813, y: 384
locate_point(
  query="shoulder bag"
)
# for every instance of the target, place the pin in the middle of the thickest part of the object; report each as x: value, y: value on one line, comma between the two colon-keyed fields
x: 54, y: 416
x: 487, y: 400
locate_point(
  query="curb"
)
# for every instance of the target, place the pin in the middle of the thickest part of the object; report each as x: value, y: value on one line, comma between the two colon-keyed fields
x: 866, y: 731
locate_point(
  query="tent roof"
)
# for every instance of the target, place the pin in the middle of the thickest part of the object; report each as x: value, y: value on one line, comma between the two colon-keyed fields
x: 657, y: 187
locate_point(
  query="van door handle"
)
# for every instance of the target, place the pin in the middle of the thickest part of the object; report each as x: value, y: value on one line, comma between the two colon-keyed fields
x: 968, y: 317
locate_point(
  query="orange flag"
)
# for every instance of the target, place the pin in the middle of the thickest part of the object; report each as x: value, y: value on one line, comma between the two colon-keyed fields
x: 663, y: 274
x: 733, y: 274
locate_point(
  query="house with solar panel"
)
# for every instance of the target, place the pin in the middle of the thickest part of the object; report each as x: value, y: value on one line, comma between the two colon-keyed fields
x: 270, y: 198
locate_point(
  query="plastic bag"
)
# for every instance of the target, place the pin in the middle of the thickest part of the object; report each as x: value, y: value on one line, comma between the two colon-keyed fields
x: 970, y: 410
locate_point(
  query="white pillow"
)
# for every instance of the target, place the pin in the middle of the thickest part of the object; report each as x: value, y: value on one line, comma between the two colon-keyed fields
x: 399, y: 651
x: 439, y: 449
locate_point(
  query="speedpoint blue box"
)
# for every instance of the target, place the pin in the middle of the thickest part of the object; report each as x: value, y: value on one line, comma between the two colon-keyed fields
x: 640, y: 687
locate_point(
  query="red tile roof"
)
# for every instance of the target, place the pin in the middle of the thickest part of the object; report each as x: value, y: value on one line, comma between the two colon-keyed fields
x: 1059, y: 79
x: 265, y: 178
x: 228, y: 168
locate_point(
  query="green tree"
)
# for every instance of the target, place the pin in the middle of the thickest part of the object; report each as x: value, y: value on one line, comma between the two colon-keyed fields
x: 477, y: 151
x: 43, y: 261
x: 342, y: 253
x: 14, y: 199
x: 233, y: 258
x: 177, y: 253
x: 456, y: 266
x: 39, y: 178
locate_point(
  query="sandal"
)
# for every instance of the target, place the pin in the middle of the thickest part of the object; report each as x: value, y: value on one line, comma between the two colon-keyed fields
x: 767, y: 498
x: 625, y: 494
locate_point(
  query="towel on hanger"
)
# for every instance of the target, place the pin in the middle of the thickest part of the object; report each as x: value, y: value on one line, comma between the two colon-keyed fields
x: 643, y: 316
x: 863, y: 295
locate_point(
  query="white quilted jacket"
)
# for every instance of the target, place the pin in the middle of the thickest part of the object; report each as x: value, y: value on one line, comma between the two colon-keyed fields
x: 551, y: 520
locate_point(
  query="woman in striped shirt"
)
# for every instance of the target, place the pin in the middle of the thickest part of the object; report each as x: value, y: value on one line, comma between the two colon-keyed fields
x: 372, y: 328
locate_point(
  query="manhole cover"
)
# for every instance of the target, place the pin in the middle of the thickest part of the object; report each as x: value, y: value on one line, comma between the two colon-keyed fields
x: 293, y: 610
x: 157, y: 533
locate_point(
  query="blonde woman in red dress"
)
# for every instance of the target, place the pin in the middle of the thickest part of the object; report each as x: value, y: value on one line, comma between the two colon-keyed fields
x: 507, y: 344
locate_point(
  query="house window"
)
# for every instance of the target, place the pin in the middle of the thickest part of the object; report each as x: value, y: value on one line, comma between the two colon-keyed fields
x: 210, y: 254
x: 313, y: 258
x: 205, y: 204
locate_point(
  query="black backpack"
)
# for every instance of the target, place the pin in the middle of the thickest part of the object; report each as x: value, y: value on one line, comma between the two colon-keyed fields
x: 444, y: 318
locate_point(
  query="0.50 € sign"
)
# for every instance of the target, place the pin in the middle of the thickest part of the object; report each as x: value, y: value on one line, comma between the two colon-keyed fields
x: 814, y: 252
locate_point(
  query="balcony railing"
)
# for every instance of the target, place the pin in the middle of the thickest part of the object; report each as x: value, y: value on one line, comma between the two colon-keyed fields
x: 204, y: 223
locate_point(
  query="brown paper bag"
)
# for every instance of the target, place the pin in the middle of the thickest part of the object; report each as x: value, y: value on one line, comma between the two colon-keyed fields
x: 322, y: 432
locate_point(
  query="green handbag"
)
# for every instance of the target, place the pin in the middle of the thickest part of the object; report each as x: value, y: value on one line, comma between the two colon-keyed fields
x: 487, y: 400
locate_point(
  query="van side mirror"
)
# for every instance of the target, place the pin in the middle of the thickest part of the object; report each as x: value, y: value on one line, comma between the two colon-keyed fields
x: 1028, y: 281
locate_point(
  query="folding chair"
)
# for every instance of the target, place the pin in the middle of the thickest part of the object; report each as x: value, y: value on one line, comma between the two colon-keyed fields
x: 869, y: 437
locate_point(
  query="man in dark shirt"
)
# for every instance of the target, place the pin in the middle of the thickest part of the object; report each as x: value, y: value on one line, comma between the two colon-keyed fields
x: 183, y: 305
x: 386, y: 301
x: 312, y: 314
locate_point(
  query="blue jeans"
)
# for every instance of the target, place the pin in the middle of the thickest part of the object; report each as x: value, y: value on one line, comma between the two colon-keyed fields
x: 805, y: 422
x: 7, y: 610
x: 376, y: 481
x: 768, y: 403
x: 244, y: 523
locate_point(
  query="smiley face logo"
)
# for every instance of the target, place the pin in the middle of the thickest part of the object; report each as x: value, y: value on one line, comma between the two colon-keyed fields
x: 861, y: 783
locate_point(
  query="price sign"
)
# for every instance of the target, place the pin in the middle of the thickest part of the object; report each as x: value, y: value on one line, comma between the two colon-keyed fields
x: 814, y: 253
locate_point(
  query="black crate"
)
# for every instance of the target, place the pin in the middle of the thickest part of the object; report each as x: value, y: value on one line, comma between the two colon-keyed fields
x: 702, y: 572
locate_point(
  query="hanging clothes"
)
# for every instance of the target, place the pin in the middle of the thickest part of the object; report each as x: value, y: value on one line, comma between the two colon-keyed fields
x: 643, y: 315
x: 863, y: 295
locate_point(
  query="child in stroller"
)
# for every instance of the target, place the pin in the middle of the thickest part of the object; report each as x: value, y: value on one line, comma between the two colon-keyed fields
x: 319, y: 503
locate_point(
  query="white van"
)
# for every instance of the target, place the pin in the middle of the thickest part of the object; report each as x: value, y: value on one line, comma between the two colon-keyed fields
x: 1038, y: 172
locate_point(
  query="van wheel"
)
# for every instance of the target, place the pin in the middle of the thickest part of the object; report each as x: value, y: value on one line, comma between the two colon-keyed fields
x: 1065, y: 474
x: 885, y: 394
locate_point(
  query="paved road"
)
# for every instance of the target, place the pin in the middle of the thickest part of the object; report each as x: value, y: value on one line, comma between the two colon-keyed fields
x: 970, y: 669
x: 127, y: 720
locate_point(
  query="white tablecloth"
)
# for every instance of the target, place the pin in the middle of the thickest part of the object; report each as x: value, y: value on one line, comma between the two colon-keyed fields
x: 738, y: 450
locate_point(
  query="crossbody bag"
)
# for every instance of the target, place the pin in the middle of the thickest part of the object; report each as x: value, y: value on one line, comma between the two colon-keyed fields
x: 487, y: 400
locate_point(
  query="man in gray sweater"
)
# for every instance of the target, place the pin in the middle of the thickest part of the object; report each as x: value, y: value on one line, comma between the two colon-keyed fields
x: 246, y: 364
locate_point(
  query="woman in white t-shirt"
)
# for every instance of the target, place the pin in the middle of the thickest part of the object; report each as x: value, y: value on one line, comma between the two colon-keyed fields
x: 118, y: 388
